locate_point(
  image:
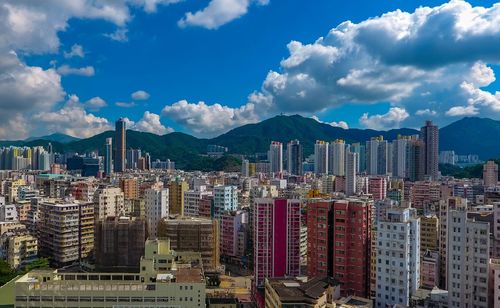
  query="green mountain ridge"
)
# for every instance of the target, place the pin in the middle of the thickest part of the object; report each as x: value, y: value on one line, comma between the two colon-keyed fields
x: 469, y: 135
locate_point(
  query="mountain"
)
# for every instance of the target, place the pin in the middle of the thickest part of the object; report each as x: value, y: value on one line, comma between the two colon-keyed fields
x: 469, y: 135
x: 472, y: 135
x: 57, y: 137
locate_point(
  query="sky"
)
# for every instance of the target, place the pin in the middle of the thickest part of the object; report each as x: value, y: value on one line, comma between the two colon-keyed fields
x: 204, y: 67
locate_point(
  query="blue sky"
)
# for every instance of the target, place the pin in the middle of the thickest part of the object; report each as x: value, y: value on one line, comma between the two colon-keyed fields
x: 188, y: 62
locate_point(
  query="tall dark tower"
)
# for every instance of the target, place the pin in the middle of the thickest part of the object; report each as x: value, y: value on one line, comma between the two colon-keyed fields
x: 120, y: 139
x: 430, y: 135
x: 295, y: 158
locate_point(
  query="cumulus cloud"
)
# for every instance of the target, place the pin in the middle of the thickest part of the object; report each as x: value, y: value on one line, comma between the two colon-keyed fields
x: 395, y: 58
x: 140, y: 95
x: 71, y: 119
x: 76, y: 51
x: 462, y: 111
x: 150, y: 122
x: 80, y: 71
x: 218, y: 13
x: 391, y: 119
x: 125, y: 104
x: 341, y: 124
x: 95, y: 103
x: 209, y: 120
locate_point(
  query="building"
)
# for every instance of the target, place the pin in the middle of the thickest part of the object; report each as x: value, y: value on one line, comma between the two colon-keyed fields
x: 430, y: 136
x: 319, y: 244
x: 225, y: 199
x: 377, y: 187
x: 21, y: 248
x: 360, y: 149
x: 336, y: 158
x: 192, y: 201
x: 66, y: 231
x: 429, y: 233
x: 276, y: 227
x: 8, y: 212
x: 233, y: 224
x: 398, y: 257
x: 494, y: 283
x: 156, y: 207
x: 245, y: 168
x: 119, y: 244
x: 120, y: 145
x: 108, y: 157
x: 351, y: 173
x: 415, y: 160
x: 377, y: 156
x: 468, y: 252
x: 295, y: 158
x: 321, y: 157
x: 176, y: 190
x: 298, y: 292
x: 275, y: 157
x: 429, y: 269
x: 179, y: 283
x: 399, y: 160
x: 490, y: 174
x: 130, y: 188
x: 193, y: 234
x: 109, y: 202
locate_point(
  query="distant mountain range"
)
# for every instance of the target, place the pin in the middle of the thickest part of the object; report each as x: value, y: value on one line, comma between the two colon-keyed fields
x: 468, y: 135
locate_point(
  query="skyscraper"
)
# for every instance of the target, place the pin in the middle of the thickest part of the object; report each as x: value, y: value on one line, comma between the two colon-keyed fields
x: 275, y: 157
x: 295, y: 158
x: 156, y: 207
x: 350, y: 173
x: 108, y: 160
x: 336, y: 157
x: 430, y: 135
x: 415, y: 160
x: 376, y: 152
x: 120, y: 143
x: 490, y: 174
x: 321, y: 157
x: 276, y: 227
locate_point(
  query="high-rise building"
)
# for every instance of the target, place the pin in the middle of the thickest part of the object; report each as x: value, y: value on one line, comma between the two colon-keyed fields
x: 351, y: 173
x: 176, y: 190
x: 429, y: 233
x: 490, y: 174
x: 376, y: 156
x: 192, y: 201
x: 120, y: 145
x: 245, y: 168
x: 66, y: 231
x: 430, y: 135
x: 321, y: 157
x: 336, y: 157
x: 108, y: 157
x: 360, y: 149
x: 233, y: 240
x: 225, y: 199
x: 415, y: 160
x: 275, y: 157
x: 119, y: 244
x: 276, y: 228
x: 468, y: 253
x: 108, y: 202
x: 130, y: 188
x: 156, y: 207
x: 319, y: 233
x: 377, y: 187
x: 399, y: 161
x: 295, y: 158
x: 398, y: 257
x: 193, y: 234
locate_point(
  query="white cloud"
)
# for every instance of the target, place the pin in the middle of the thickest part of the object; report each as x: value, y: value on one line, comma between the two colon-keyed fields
x: 209, y: 120
x: 218, y: 13
x: 140, y: 95
x: 425, y: 112
x: 125, y: 104
x: 80, y: 71
x: 391, y: 119
x: 119, y: 35
x: 71, y: 119
x: 341, y: 124
x: 460, y: 111
x: 150, y: 123
x: 95, y: 103
x: 76, y: 51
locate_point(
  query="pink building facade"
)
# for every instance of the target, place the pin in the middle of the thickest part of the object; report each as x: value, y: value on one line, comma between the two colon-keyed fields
x: 377, y: 186
x: 429, y: 270
x: 276, y: 238
x: 231, y: 225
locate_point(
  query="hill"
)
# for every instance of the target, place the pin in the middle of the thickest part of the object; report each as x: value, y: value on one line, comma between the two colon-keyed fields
x: 469, y: 135
x: 57, y: 137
